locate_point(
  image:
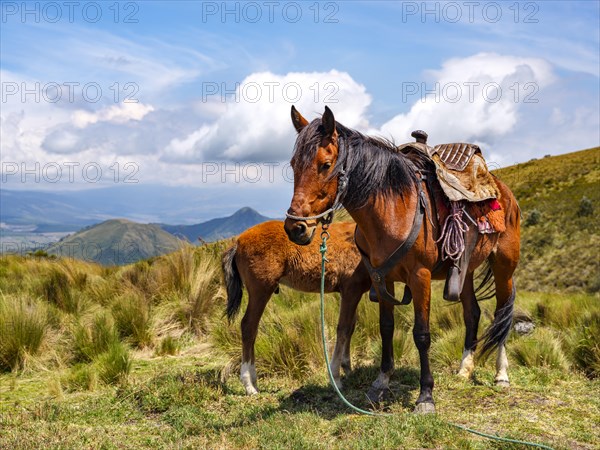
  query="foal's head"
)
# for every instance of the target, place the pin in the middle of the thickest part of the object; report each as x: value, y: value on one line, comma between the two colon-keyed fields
x: 315, y: 174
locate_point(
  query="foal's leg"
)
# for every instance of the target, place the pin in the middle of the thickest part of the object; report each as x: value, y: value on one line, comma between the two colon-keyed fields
x: 420, y: 285
x: 386, y: 328
x: 347, y: 321
x: 471, y: 314
x: 257, y: 300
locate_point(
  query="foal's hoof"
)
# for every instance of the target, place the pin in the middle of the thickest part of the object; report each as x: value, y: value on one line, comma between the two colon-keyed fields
x: 378, y: 395
x: 503, y: 383
x: 425, y: 408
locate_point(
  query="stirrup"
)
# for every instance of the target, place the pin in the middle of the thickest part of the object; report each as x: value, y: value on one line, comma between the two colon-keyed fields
x: 452, y: 288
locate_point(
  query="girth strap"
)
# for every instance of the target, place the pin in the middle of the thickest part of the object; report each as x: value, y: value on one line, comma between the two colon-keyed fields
x: 378, y: 274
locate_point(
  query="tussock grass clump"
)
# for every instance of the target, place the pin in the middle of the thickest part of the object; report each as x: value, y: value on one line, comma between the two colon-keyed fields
x: 115, y: 364
x: 131, y: 312
x: 23, y: 324
x: 93, y: 339
x: 81, y: 377
x: 542, y: 348
x: 447, y: 348
x: 561, y: 311
x: 585, y: 345
x: 140, y: 277
x: 192, y: 287
x: 169, y: 345
x: 57, y: 291
x: 446, y: 316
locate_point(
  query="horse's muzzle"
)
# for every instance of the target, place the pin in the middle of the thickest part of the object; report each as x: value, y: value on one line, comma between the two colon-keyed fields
x: 298, y: 231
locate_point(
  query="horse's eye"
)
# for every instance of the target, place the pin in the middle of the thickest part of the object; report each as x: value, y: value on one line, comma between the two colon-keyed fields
x: 326, y: 166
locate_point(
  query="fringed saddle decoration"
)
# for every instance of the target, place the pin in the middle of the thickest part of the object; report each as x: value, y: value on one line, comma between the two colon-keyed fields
x: 488, y: 216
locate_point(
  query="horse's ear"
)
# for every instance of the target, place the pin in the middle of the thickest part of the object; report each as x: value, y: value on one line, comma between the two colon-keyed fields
x: 297, y: 119
x: 328, y: 122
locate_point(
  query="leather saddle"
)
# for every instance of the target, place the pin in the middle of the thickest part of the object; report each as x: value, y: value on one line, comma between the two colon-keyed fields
x: 460, y: 169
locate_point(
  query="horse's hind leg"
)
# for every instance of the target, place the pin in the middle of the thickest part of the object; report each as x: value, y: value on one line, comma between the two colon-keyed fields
x: 498, y: 333
x: 471, y: 314
x: 351, y: 296
x: 258, y: 296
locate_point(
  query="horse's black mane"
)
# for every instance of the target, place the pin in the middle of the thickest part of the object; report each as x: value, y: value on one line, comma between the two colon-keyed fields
x: 372, y: 164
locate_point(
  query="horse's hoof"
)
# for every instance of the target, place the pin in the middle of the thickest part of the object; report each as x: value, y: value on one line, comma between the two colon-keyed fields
x: 465, y: 374
x: 378, y: 395
x: 338, y: 383
x: 251, y: 390
x: 503, y: 383
x: 425, y: 408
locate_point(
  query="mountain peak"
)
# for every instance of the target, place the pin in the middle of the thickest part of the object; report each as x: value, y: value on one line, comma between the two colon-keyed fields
x: 246, y: 210
x: 219, y: 228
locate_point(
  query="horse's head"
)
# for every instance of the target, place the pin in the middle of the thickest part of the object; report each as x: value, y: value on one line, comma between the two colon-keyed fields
x: 316, y: 177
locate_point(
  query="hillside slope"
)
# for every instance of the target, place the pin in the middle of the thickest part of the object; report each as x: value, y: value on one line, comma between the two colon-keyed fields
x: 116, y: 242
x: 560, y: 200
x: 220, y: 228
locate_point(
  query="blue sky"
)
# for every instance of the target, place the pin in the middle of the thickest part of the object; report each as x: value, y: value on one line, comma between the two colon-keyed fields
x: 521, y: 79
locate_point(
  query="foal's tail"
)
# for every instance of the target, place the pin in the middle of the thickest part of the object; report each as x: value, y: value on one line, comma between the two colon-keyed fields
x: 497, y: 333
x: 233, y: 281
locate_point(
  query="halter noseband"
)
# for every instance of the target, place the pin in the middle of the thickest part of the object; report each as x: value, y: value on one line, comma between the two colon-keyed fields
x: 328, y: 214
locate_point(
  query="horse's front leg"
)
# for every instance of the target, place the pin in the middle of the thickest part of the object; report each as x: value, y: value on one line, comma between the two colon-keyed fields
x: 420, y: 285
x: 381, y: 386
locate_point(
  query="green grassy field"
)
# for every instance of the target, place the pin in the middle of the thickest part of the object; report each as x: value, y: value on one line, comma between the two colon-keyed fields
x: 141, y: 356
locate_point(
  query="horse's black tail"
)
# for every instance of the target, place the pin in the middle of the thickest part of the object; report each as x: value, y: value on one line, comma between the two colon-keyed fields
x: 233, y: 281
x: 497, y: 332
x: 486, y: 288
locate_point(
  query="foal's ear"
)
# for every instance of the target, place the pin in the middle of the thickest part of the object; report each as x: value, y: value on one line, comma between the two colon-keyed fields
x: 297, y: 119
x: 328, y: 122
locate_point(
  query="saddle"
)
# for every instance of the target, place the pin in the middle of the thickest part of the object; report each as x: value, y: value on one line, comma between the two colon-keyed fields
x: 470, y: 208
x: 460, y: 169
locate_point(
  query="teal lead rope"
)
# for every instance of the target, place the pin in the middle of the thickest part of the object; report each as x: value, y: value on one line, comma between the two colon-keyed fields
x: 323, y: 250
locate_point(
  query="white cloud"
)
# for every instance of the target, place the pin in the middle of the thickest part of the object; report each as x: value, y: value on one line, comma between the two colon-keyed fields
x: 256, y: 124
x: 477, y: 98
x: 120, y: 113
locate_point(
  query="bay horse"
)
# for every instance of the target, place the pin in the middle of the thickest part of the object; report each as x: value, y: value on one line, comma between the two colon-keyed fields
x: 262, y: 257
x: 381, y: 191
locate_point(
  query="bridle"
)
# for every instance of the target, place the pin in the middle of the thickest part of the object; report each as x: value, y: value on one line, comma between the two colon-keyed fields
x: 327, y: 215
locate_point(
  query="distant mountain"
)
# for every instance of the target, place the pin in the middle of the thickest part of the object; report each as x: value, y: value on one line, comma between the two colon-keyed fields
x: 116, y: 242
x: 216, y: 229
x: 68, y: 211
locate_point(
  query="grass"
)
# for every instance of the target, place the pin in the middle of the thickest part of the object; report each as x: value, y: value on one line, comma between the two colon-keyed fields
x: 180, y: 388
